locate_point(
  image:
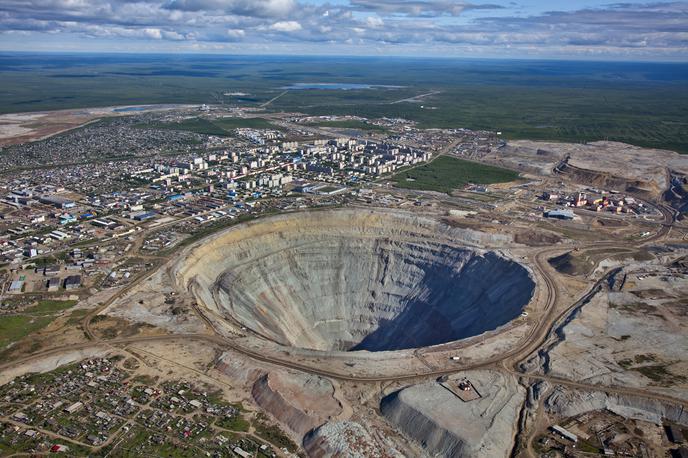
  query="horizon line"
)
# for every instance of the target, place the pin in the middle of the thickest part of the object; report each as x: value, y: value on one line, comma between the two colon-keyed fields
x: 354, y: 56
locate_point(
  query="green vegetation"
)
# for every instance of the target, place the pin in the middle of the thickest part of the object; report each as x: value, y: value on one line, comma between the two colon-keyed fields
x: 587, y: 447
x: 84, y: 242
x: 571, y: 114
x: 77, y: 316
x: 139, y: 443
x: 447, y: 173
x: 16, y: 327
x: 639, y: 359
x: 197, y: 125
x: 51, y: 306
x: 658, y: 373
x: 273, y: 434
x: 350, y: 124
x: 234, y: 423
x: 221, y: 127
x: 144, y: 380
x: 637, y: 308
x: 245, y: 123
x: 46, y: 261
x: 638, y: 103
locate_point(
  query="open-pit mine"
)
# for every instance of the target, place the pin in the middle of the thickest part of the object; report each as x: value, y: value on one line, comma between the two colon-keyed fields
x: 351, y: 280
x: 541, y: 315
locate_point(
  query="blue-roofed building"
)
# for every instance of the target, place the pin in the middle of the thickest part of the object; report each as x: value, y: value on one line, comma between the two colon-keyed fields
x: 175, y: 197
x: 560, y: 214
x: 143, y: 216
x: 67, y: 218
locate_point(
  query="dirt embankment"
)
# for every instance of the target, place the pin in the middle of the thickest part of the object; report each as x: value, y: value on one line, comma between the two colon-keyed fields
x: 300, y: 402
x: 446, y: 425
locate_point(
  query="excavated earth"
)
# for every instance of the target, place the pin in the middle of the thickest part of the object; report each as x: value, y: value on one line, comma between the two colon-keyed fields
x: 446, y: 425
x: 354, y: 279
x: 299, y: 401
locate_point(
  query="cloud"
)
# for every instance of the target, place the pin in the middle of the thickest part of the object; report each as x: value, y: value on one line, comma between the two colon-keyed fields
x: 155, y: 34
x: 619, y: 25
x: 236, y: 33
x: 374, y: 22
x: 259, y: 8
x: 286, y: 26
x: 417, y: 8
x: 395, y: 26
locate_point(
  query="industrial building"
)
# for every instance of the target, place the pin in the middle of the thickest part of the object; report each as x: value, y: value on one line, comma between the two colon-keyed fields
x: 72, y: 282
x: 56, y: 201
x: 566, y: 434
x: 560, y: 214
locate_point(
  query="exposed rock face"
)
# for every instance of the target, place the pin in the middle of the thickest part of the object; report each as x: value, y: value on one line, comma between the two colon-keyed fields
x: 599, y: 164
x: 345, y: 439
x: 447, y: 426
x: 571, y: 403
x: 354, y: 279
x: 631, y: 333
x: 299, y: 401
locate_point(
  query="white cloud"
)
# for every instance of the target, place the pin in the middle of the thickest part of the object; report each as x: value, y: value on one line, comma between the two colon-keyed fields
x: 236, y: 33
x: 374, y: 22
x: 156, y: 34
x: 622, y: 28
x: 260, y: 8
x: 417, y: 8
x: 286, y: 26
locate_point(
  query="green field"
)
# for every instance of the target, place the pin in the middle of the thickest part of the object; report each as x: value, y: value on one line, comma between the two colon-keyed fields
x: 447, y: 173
x: 50, y: 306
x: 222, y: 127
x: 350, y: 125
x: 246, y: 123
x: 197, y: 125
x: 16, y: 327
x: 234, y: 423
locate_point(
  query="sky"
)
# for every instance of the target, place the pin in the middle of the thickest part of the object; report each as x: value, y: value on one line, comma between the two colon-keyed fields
x: 550, y: 29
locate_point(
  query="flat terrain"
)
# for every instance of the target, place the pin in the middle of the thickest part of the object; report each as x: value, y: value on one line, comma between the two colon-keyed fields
x: 637, y: 103
x: 17, y: 128
x: 445, y: 174
x: 350, y: 125
x: 14, y: 328
x: 220, y: 127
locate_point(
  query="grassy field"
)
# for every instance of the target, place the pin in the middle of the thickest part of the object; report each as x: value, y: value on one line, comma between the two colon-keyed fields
x: 273, y: 434
x: 220, y: 127
x: 51, y: 306
x: 235, y: 423
x: 16, y: 327
x: 246, y: 123
x: 197, y: 125
x: 350, y: 125
x: 447, y: 173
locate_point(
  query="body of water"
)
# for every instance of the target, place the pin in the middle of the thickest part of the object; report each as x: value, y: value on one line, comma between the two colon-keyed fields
x: 336, y: 86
